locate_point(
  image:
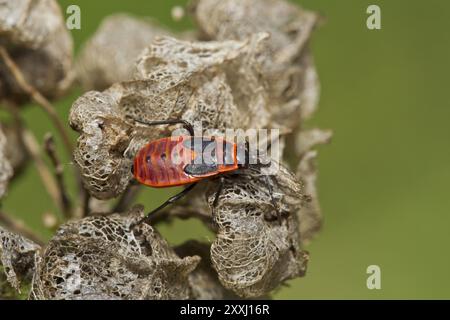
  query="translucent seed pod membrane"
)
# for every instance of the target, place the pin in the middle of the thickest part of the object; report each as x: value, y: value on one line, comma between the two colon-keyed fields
x: 247, y: 65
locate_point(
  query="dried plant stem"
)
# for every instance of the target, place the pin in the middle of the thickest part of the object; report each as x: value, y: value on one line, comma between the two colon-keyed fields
x: 49, y: 145
x: 38, y: 98
x: 86, y: 200
x: 47, y: 178
x: 127, y: 198
x: 51, y: 112
x: 19, y: 227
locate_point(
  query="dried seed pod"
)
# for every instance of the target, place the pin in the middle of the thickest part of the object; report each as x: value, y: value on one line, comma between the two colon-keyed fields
x: 6, y: 170
x: 99, y: 153
x: 37, y: 39
x: 203, y: 280
x: 101, y: 257
x: 6, y: 291
x: 308, y: 139
x: 18, y: 256
x: 286, y: 63
x: 177, y: 80
x: 172, y: 62
x: 254, y: 252
x: 310, y: 214
x: 109, y: 56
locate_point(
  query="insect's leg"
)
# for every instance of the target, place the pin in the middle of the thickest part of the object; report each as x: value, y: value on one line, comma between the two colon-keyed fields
x: 272, y: 200
x: 171, y: 200
x: 258, y: 163
x: 216, y: 198
x: 216, y: 201
x: 185, y: 123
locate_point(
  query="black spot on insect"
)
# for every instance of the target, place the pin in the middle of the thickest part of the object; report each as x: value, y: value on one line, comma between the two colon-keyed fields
x: 200, y: 169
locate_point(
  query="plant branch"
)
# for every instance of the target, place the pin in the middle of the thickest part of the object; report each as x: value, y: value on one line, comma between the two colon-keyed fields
x: 51, y: 112
x: 49, y: 145
x: 127, y: 198
x: 19, y: 227
x: 38, y: 98
x: 49, y: 182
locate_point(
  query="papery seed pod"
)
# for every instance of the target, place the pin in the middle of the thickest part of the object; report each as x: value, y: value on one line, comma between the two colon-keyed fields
x: 172, y: 62
x: 6, y: 170
x: 109, y: 56
x: 101, y: 257
x: 104, y: 139
x: 18, y: 255
x: 177, y: 80
x: 35, y: 35
x: 255, y: 250
x: 308, y: 139
x: 310, y: 213
x: 203, y: 281
x: 286, y: 63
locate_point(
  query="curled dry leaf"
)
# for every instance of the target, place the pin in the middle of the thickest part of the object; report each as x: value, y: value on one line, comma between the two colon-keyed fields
x: 175, y: 80
x: 101, y: 257
x: 109, y: 56
x: 18, y: 256
x: 255, y: 250
x: 35, y: 35
x: 286, y: 63
x: 6, y: 169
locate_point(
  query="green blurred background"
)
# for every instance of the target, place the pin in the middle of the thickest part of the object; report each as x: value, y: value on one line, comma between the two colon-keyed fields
x: 383, y: 181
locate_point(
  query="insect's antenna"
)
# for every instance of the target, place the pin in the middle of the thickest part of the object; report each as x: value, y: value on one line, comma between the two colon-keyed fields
x: 186, y: 124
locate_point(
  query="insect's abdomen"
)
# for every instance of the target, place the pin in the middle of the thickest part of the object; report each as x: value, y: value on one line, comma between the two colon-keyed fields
x: 169, y: 162
x: 161, y: 162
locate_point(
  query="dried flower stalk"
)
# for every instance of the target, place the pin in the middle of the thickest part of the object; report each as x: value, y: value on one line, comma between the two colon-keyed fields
x: 250, y: 67
x: 35, y: 35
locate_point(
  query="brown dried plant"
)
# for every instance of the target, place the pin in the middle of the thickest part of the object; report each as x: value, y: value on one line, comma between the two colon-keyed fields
x: 249, y: 66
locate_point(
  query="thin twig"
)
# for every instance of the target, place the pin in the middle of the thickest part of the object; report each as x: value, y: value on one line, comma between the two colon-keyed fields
x: 33, y: 146
x: 85, y: 200
x: 51, y: 111
x: 20, y: 228
x: 82, y: 208
x: 47, y: 178
x: 49, y: 145
x: 127, y: 198
x: 38, y: 98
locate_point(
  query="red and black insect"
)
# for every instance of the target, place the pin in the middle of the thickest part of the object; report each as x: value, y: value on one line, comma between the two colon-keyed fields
x: 186, y: 160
